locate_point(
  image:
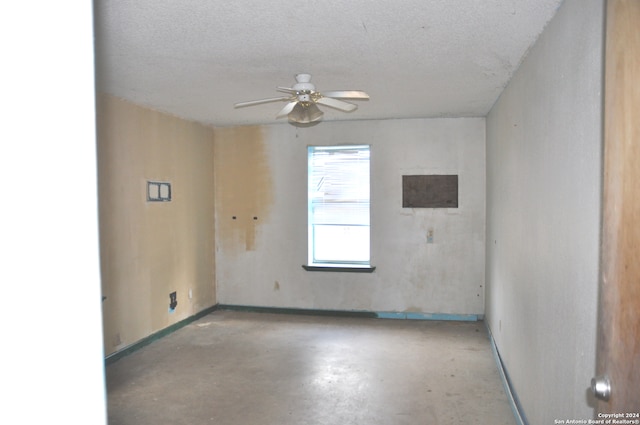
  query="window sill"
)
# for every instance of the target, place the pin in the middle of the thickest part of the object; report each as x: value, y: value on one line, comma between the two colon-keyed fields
x: 345, y: 269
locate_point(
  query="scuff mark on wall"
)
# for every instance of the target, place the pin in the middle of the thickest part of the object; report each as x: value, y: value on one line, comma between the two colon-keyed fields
x: 244, y: 192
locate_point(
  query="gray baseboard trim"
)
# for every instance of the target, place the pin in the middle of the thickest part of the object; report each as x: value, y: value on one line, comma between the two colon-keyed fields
x: 516, y: 407
x: 355, y: 313
x: 300, y: 311
x: 113, y: 357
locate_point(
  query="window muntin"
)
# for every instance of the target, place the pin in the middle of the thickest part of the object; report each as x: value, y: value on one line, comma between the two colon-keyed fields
x: 338, y: 205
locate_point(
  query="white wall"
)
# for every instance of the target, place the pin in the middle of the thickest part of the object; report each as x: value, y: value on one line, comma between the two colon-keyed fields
x: 543, y: 216
x: 51, y: 362
x: 259, y: 262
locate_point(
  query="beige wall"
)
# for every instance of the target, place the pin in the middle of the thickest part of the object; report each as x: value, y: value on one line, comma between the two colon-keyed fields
x: 149, y: 250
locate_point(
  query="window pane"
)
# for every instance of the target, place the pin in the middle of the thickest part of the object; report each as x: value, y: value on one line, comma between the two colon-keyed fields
x: 356, y: 213
x: 341, y: 244
x: 339, y: 204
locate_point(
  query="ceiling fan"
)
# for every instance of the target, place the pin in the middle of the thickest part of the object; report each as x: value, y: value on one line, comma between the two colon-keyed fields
x: 303, y: 100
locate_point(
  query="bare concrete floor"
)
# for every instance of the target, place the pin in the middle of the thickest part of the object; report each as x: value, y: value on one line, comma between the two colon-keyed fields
x: 257, y: 368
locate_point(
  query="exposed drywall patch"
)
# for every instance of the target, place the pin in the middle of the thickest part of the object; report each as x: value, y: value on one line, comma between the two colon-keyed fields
x: 244, y: 186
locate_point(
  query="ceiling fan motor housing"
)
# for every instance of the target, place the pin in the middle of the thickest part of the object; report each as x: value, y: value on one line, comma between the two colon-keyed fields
x: 304, y: 86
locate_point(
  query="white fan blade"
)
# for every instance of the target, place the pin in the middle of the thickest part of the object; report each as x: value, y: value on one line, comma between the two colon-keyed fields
x: 346, y: 94
x: 288, y: 108
x: 287, y: 90
x: 337, y: 104
x: 258, y: 102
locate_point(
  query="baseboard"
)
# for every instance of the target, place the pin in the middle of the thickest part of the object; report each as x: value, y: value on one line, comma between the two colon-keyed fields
x: 300, y: 311
x: 355, y: 313
x: 516, y: 407
x: 113, y: 357
x: 429, y: 316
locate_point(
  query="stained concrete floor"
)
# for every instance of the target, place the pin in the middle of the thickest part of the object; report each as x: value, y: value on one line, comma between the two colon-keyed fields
x: 260, y: 368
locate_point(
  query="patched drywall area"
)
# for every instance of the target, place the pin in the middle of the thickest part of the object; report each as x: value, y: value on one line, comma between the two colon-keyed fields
x: 543, y: 216
x: 157, y: 258
x: 262, y: 172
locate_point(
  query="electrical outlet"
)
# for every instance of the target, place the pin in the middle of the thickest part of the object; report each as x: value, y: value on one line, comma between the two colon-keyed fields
x: 173, y: 301
x: 430, y: 235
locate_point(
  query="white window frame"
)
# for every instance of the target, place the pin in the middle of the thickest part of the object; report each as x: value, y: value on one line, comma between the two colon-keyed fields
x: 353, y: 203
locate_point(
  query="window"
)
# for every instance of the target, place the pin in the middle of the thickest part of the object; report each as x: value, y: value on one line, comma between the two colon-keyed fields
x: 338, y: 206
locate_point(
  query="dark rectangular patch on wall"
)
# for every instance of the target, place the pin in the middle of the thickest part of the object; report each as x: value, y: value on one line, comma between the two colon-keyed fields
x: 431, y: 191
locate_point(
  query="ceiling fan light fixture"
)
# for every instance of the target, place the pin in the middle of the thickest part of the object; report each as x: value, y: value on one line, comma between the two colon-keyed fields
x: 305, y: 113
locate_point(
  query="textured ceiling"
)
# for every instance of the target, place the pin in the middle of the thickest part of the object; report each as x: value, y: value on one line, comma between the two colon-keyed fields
x: 415, y: 58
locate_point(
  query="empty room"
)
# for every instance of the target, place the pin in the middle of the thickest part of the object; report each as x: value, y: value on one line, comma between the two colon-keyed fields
x: 418, y: 212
